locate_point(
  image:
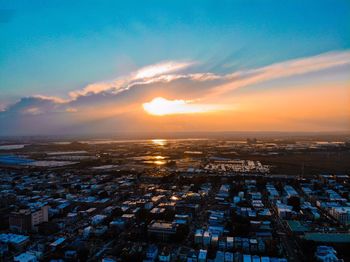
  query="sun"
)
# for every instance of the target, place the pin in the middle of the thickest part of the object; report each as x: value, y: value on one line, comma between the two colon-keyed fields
x: 160, y: 106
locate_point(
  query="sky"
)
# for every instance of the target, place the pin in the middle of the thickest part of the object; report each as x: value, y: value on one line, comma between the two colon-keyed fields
x: 92, y: 67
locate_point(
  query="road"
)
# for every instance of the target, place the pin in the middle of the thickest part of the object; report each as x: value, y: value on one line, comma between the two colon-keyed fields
x: 289, y: 243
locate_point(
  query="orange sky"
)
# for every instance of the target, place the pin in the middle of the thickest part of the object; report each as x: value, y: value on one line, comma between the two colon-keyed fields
x: 321, y: 108
x: 306, y: 94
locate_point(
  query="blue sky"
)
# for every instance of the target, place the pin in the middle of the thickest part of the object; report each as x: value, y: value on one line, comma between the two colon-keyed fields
x: 54, y: 47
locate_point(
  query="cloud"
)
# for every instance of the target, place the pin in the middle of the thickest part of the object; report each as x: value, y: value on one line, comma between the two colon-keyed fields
x: 284, y: 69
x: 161, y: 69
x: 50, y: 98
x: 165, y: 73
x: 71, y: 110
x: 32, y: 111
x: 144, y: 75
x: 2, y: 107
x: 35, y: 105
x: 124, y: 97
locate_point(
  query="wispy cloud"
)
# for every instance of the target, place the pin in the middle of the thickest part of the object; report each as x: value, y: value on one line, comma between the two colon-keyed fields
x: 144, y: 75
x: 55, y: 99
x: 32, y: 111
x: 166, y: 72
x: 161, y: 69
x: 284, y: 69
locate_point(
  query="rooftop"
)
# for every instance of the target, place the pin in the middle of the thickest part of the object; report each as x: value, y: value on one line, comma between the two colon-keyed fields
x: 13, y: 238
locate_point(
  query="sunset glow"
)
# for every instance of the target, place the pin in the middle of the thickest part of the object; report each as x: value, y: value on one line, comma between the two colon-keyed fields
x: 159, y: 117
x: 235, y: 67
x: 160, y: 106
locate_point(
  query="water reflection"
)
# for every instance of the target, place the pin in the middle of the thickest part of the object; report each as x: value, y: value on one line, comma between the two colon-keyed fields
x: 159, y: 142
x: 157, y: 162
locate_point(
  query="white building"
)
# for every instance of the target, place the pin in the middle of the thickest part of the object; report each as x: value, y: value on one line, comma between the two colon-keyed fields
x: 41, y: 215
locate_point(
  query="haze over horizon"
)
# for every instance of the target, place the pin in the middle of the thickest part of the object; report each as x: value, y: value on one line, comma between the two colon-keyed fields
x: 92, y: 68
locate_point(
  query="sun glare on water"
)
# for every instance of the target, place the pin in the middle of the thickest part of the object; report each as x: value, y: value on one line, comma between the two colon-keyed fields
x: 159, y: 142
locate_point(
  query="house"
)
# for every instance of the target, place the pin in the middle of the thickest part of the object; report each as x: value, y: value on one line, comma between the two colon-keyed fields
x: 202, y: 256
x: 25, y: 257
x: 162, y: 230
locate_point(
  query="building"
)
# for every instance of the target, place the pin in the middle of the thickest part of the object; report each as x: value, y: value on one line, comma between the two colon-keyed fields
x: 228, y: 257
x: 342, y: 214
x: 206, y: 238
x: 26, y: 219
x: 284, y: 211
x: 98, y: 219
x: 224, y: 191
x: 272, y: 191
x: 21, y: 221
x: 326, y: 253
x: 152, y: 253
x: 202, y: 256
x: 247, y: 258
x: 220, y: 256
x: 40, y: 215
x: 229, y: 243
x: 198, y: 236
x: 25, y: 257
x: 17, y: 241
x: 290, y: 191
x: 57, y: 243
x: 161, y: 230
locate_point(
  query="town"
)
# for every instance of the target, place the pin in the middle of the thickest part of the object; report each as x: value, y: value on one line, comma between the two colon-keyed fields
x: 192, y: 200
